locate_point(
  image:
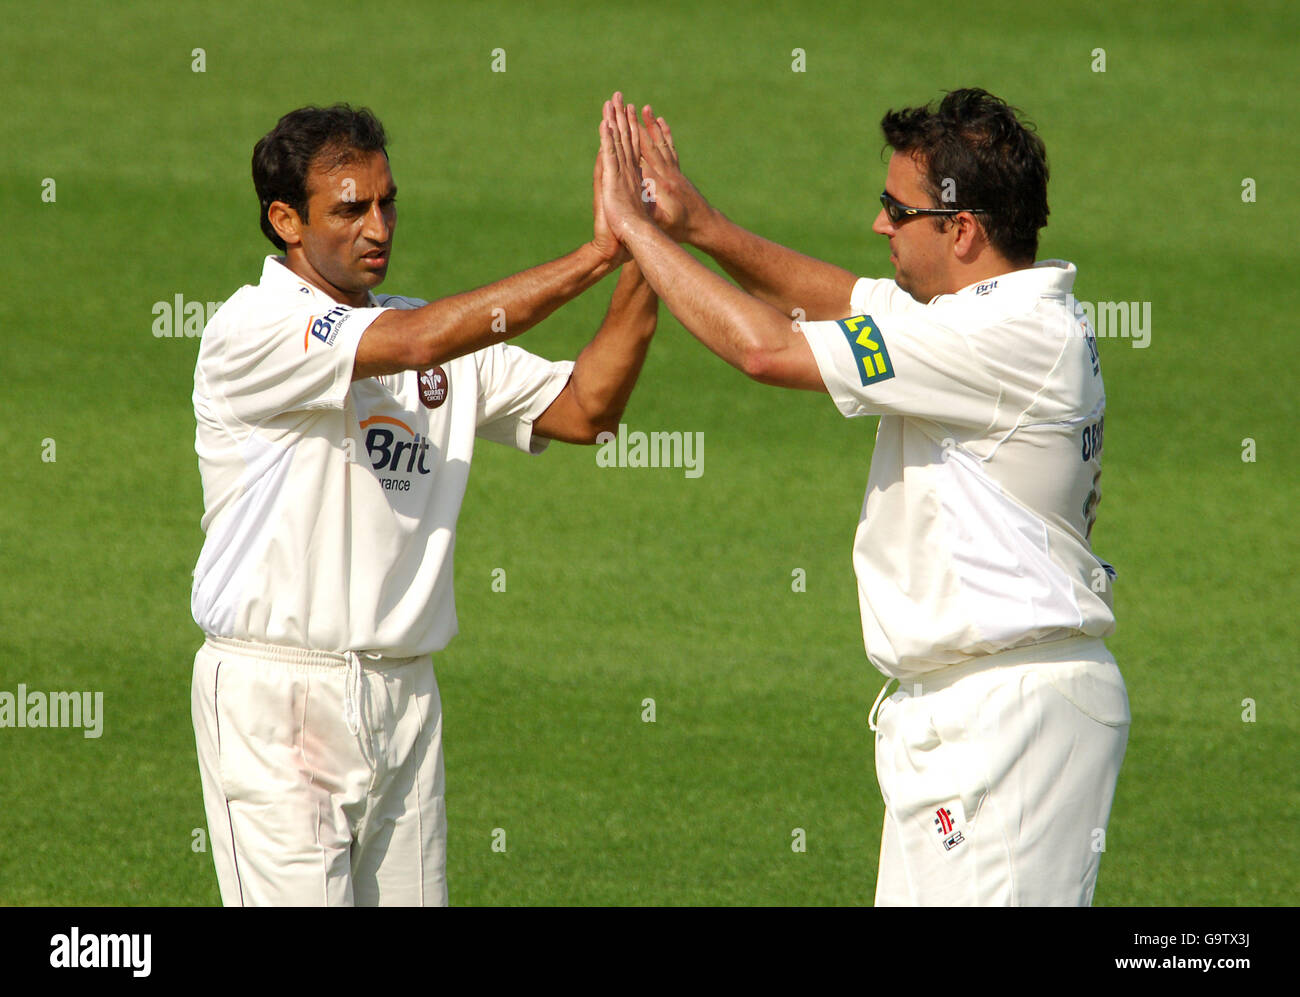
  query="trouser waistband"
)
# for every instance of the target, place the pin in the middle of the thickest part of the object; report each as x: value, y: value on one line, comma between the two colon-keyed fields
x: 1070, y: 649
x: 301, y: 657
x: 304, y: 656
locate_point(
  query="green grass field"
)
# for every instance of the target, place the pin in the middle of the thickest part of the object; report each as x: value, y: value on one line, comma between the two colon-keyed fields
x: 627, y: 584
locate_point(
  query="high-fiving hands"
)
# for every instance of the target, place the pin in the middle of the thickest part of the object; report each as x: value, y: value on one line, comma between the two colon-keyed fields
x: 639, y: 158
x: 649, y: 206
x: 623, y: 199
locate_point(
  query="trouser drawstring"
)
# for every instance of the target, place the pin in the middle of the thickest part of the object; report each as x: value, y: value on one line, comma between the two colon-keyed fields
x: 352, y: 690
x: 875, y: 707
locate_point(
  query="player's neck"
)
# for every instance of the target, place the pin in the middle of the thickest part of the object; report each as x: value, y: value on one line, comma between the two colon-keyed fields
x: 298, y: 264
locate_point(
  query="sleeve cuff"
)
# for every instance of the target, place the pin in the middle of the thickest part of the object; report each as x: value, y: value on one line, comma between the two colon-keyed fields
x: 823, y: 353
x: 349, y: 338
x: 524, y: 438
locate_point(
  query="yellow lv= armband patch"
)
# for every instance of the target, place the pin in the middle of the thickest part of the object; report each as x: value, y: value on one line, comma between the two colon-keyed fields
x: 868, y: 345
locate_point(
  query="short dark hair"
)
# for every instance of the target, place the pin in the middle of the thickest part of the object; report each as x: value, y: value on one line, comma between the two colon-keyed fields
x: 285, y: 154
x: 995, y: 159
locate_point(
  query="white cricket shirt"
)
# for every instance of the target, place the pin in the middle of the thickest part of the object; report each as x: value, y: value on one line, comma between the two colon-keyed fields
x: 330, y: 505
x: 984, y: 479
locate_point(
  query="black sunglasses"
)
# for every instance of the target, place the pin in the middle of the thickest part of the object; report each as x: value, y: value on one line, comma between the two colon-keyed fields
x: 898, y: 212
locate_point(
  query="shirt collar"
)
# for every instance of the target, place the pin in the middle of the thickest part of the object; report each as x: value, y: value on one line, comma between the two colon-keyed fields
x: 1046, y: 277
x: 277, y: 275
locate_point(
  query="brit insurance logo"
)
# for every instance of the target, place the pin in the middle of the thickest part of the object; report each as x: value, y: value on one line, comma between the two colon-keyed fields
x: 392, y: 452
x: 326, y: 328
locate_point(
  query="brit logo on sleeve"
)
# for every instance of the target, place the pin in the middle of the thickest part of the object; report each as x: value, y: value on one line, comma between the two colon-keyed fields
x: 868, y: 346
x: 326, y: 328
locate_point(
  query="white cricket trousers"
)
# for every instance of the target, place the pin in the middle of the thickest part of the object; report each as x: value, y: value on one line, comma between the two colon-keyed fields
x: 322, y: 776
x: 998, y: 776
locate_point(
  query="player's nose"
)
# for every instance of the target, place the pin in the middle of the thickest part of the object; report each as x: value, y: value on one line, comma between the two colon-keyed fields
x: 882, y: 224
x: 379, y: 224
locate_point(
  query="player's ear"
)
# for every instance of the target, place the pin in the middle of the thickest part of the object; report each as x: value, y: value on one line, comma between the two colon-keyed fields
x: 286, y: 222
x: 970, y: 237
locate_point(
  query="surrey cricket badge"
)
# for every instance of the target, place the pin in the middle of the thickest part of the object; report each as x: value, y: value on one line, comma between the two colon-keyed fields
x: 433, y: 387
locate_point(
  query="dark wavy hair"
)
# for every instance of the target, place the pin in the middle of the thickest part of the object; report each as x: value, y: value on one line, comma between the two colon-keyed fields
x: 285, y: 154
x: 994, y: 159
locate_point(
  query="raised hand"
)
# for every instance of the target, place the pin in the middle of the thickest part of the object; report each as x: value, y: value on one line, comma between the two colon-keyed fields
x: 677, y: 203
x: 619, y: 171
x: 602, y: 238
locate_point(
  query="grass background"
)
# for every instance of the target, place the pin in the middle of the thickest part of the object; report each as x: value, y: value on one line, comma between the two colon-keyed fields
x: 630, y: 584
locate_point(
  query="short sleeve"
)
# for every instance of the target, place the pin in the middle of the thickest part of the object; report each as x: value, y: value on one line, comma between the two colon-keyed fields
x: 873, y: 296
x: 515, y: 387
x: 903, y: 364
x: 299, y: 360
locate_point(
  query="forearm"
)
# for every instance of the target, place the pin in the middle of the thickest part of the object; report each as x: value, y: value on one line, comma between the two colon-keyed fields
x: 737, y: 327
x: 797, y: 285
x: 607, y: 369
x: 463, y: 323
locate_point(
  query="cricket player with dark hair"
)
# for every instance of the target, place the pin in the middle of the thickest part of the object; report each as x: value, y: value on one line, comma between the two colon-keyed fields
x: 999, y: 753
x: 335, y: 432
